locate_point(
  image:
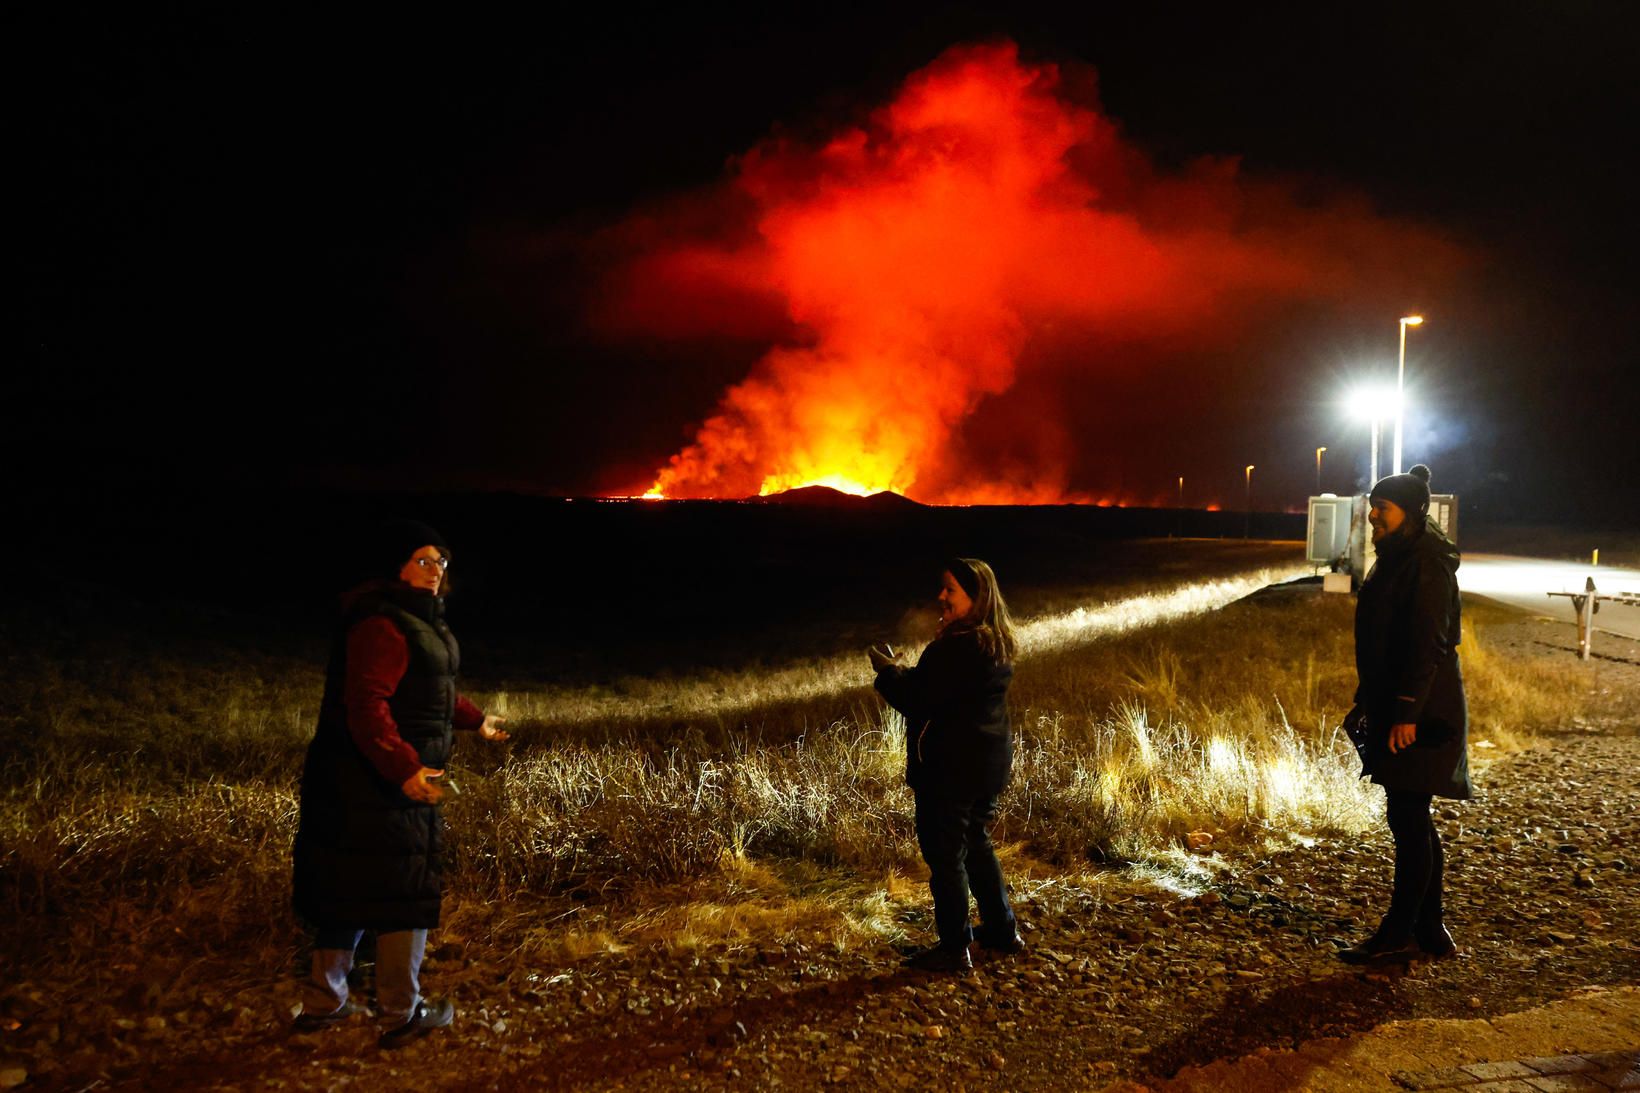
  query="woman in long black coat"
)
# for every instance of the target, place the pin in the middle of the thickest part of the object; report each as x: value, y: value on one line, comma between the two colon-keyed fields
x: 1411, y: 701
x: 958, y: 756
x: 369, y: 851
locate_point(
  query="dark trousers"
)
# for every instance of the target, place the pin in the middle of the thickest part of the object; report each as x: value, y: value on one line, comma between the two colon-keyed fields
x: 1415, y: 905
x: 955, y: 837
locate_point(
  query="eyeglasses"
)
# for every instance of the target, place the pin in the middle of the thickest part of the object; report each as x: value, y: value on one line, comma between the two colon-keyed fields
x: 439, y: 564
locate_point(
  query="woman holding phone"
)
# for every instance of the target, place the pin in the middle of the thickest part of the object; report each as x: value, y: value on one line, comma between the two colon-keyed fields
x: 958, y: 757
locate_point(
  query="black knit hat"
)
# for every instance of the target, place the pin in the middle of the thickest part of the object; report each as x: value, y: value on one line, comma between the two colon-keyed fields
x: 395, y: 540
x: 964, y: 573
x: 1409, y: 490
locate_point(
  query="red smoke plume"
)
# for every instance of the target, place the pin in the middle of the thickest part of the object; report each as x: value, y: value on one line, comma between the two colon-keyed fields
x: 902, y: 272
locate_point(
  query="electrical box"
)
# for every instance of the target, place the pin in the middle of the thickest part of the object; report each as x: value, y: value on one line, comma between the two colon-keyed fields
x: 1443, y: 509
x: 1328, y: 538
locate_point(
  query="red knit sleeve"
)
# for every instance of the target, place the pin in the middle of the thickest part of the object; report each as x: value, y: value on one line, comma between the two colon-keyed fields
x: 377, y: 657
x: 468, y: 717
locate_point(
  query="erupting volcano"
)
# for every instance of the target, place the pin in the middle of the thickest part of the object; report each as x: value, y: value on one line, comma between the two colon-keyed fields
x: 979, y: 224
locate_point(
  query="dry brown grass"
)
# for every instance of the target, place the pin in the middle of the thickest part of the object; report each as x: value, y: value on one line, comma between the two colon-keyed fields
x: 707, y: 812
x: 1512, y: 695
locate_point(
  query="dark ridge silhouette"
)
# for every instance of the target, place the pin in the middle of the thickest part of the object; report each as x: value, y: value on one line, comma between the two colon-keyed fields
x: 824, y: 497
x: 587, y: 589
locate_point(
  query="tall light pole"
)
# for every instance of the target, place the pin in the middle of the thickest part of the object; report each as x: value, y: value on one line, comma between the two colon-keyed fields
x: 1400, y: 388
x: 1371, y: 404
x: 1373, y: 478
x: 1318, y: 452
x: 1247, y: 523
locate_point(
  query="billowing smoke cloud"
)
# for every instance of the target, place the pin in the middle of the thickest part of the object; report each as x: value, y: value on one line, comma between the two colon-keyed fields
x: 905, y: 271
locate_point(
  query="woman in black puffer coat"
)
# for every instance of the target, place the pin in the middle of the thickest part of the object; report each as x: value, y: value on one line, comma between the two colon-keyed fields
x: 958, y: 756
x: 369, y: 851
x: 1411, y: 702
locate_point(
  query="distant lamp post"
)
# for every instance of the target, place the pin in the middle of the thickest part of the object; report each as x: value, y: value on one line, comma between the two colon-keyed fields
x: 1247, y: 524
x: 1400, y: 387
x: 1318, y: 452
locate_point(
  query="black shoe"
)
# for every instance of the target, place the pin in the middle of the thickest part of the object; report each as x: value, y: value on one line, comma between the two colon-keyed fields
x: 1374, y: 951
x: 428, y: 1015
x: 1013, y: 946
x: 1437, y: 944
x: 940, y: 959
x: 313, y: 1022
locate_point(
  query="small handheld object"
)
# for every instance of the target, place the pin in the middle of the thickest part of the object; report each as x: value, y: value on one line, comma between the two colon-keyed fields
x: 881, y: 655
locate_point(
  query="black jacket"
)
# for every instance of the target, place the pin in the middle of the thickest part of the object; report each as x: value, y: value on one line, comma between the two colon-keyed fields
x: 1407, y: 629
x: 367, y: 856
x: 956, y: 717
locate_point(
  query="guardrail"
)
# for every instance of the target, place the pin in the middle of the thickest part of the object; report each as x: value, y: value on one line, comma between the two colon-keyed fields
x: 1587, y: 605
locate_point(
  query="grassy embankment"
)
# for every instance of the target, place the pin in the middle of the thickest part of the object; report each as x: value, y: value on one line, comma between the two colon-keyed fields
x: 151, y: 791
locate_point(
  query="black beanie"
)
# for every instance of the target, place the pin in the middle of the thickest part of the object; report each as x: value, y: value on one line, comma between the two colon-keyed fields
x: 1409, y: 490
x: 395, y: 540
x: 967, y: 579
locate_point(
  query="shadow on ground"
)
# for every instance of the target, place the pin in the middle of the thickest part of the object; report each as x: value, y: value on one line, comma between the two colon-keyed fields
x: 1286, y: 1017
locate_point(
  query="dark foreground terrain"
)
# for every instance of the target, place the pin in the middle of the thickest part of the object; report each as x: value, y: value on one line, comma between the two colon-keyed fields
x: 591, y: 590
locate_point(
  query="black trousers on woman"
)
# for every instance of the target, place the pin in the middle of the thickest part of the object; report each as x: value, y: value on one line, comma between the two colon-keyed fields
x: 1415, y: 905
x: 955, y: 837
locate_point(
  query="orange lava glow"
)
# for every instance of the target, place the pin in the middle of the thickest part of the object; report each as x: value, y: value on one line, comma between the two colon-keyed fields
x: 915, y: 261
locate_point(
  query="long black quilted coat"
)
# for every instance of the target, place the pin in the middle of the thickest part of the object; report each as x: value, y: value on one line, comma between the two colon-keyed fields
x: 366, y: 855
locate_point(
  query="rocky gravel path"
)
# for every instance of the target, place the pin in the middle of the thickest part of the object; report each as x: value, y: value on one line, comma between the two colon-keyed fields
x: 1125, y: 977
x: 1544, y: 895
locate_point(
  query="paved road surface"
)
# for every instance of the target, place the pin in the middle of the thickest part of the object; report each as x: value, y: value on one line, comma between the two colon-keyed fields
x: 1526, y: 582
x: 1587, y: 1042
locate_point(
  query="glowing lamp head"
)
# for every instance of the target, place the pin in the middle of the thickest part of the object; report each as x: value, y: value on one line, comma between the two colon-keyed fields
x: 1372, y: 403
x: 1412, y: 320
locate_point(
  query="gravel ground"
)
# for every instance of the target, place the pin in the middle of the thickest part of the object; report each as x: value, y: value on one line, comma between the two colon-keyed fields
x: 1124, y: 977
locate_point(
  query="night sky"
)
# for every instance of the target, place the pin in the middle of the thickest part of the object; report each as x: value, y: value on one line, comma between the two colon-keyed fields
x: 375, y: 251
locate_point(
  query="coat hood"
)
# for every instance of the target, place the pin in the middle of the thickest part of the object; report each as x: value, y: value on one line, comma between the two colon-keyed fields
x: 1434, y: 541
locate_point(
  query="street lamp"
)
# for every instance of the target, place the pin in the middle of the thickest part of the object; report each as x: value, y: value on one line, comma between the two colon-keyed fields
x: 1372, y: 404
x: 1318, y: 452
x: 1247, y: 524
x: 1400, y: 386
